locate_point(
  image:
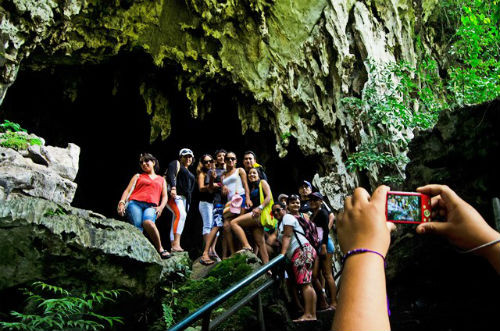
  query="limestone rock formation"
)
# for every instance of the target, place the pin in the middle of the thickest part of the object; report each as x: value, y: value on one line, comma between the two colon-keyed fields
x: 289, y: 63
x: 41, y: 171
x: 41, y: 240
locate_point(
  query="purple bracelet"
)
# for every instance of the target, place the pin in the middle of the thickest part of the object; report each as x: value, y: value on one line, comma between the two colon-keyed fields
x: 360, y: 251
x: 365, y: 250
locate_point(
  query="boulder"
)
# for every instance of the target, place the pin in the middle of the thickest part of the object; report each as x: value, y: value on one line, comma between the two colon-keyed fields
x: 75, y: 248
x: 41, y: 171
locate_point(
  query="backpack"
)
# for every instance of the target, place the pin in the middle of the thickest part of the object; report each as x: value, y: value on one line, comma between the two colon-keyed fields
x: 310, y: 232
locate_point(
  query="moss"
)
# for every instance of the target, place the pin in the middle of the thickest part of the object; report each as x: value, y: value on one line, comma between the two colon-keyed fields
x: 157, y: 106
x: 17, y: 140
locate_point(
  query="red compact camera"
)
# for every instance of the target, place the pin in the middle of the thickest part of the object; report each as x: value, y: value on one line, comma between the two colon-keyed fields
x: 407, y: 207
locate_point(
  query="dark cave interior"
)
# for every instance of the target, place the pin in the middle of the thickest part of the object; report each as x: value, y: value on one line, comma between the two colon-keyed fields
x: 107, y: 118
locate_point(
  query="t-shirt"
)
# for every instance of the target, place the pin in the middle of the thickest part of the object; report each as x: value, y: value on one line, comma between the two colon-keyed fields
x: 294, y: 244
x: 321, y: 220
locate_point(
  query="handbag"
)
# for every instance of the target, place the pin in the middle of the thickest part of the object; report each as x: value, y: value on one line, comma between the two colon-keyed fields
x: 266, y: 217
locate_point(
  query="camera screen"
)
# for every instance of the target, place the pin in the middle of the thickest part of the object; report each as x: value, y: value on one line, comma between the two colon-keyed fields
x: 403, y: 208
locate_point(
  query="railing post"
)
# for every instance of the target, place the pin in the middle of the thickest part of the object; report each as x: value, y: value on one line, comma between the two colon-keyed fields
x: 260, y: 313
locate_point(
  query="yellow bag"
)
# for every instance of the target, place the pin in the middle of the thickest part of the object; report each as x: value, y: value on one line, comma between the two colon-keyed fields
x: 266, y: 217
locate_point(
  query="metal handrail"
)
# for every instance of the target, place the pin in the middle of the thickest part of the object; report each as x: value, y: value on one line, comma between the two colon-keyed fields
x: 205, y: 310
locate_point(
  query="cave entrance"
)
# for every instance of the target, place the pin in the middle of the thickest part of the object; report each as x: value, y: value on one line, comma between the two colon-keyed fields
x: 99, y: 108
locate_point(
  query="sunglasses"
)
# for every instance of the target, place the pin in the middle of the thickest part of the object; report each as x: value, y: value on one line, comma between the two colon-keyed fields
x: 207, y: 161
x: 230, y: 159
x: 277, y: 210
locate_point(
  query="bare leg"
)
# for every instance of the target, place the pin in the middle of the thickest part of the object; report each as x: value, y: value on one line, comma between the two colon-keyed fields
x: 212, y: 247
x: 309, y: 303
x: 153, y: 233
x: 245, y: 220
x: 258, y: 236
x: 208, y: 243
x: 330, y: 282
x: 176, y: 244
x: 323, y: 304
x: 228, y: 235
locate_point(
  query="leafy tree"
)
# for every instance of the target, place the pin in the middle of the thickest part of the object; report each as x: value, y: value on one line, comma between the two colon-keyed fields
x: 474, y: 76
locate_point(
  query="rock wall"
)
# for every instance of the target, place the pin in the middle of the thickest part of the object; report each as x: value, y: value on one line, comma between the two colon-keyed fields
x: 433, y: 286
x: 291, y: 63
x: 40, y: 171
x: 78, y: 249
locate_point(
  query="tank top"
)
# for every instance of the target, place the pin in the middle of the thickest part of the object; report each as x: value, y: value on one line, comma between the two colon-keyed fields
x: 147, y: 189
x: 233, y: 184
x: 217, y: 194
x: 206, y: 196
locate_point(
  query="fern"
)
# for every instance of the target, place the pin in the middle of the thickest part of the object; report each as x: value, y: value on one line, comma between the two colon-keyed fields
x: 62, y: 310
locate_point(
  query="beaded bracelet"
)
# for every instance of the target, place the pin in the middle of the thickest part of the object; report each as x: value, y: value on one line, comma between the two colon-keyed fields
x: 360, y: 251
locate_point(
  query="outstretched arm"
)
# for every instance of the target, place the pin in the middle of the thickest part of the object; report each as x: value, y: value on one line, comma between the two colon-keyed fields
x: 125, y: 194
x: 362, y: 303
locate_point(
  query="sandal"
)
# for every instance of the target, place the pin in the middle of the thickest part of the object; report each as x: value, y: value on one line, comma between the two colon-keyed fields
x: 245, y: 249
x: 214, y: 256
x: 177, y: 250
x: 206, y: 262
x: 164, y: 254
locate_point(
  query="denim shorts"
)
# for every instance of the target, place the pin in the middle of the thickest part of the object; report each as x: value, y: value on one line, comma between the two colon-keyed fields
x: 140, y: 211
x: 329, y: 247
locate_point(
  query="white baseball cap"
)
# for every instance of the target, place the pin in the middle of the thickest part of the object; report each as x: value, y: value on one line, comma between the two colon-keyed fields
x: 186, y: 151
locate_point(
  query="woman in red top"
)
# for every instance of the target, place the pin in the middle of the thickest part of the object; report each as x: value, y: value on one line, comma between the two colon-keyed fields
x: 144, y: 202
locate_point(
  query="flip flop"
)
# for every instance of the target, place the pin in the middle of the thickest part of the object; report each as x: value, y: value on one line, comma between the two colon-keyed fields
x: 245, y: 249
x: 206, y: 262
x: 214, y: 256
x: 177, y: 250
x: 165, y: 256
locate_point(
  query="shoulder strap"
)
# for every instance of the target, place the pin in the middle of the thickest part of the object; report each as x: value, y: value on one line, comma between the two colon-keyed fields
x: 133, y: 186
x: 297, y: 237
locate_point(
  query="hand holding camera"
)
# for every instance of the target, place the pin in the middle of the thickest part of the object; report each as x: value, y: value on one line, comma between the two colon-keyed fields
x: 363, y: 223
x: 464, y: 227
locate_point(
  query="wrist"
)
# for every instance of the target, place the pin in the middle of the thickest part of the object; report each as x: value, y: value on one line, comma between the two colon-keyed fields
x: 121, y: 202
x: 364, y: 252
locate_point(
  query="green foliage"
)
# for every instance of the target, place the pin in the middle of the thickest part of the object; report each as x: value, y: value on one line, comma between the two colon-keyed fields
x: 397, y: 100
x: 474, y: 76
x: 179, y: 301
x: 17, y: 140
x: 59, y: 211
x: 62, y: 310
x: 7, y: 126
x: 12, y: 135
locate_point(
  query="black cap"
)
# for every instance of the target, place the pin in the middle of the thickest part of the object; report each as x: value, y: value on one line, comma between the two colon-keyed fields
x: 316, y: 196
x: 305, y: 182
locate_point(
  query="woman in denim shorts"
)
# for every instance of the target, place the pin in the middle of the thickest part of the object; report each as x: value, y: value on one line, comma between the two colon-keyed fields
x: 320, y: 217
x: 144, y: 192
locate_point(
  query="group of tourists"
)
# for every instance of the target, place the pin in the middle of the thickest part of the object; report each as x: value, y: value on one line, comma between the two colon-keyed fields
x: 236, y: 203
x: 239, y: 201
